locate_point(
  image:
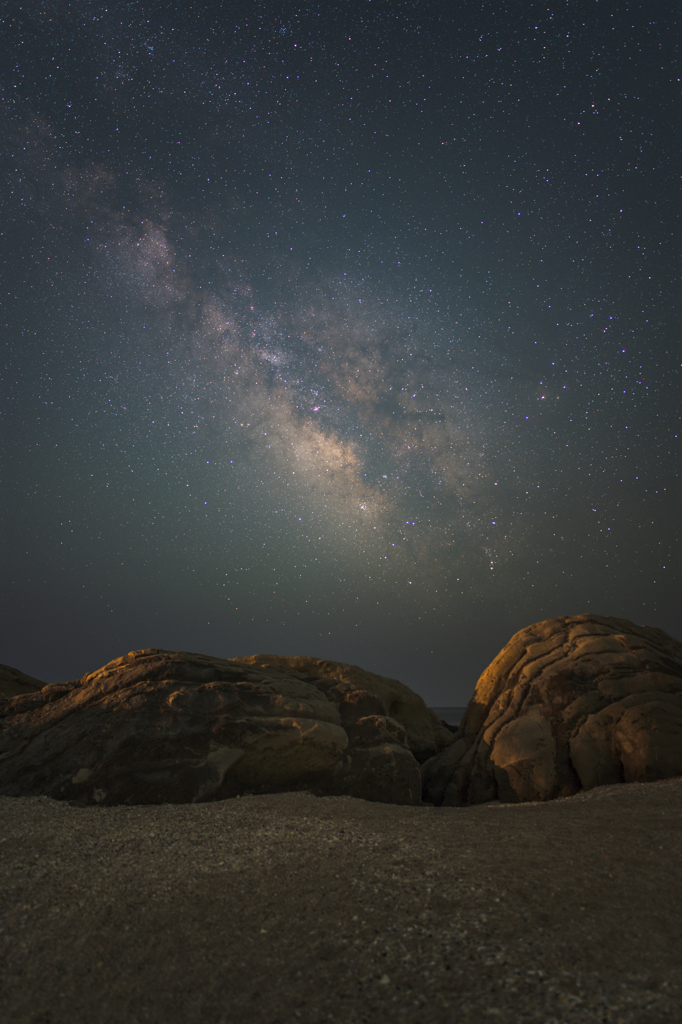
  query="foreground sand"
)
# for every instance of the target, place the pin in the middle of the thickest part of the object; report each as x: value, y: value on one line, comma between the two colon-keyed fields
x: 278, y: 909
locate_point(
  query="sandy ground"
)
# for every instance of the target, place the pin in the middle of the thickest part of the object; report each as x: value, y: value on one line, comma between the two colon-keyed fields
x: 287, y: 908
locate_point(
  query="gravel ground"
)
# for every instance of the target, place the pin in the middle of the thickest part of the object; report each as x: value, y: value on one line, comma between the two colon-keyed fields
x: 285, y: 908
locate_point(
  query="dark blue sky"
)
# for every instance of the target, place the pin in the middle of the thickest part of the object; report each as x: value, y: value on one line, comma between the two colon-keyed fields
x: 348, y: 330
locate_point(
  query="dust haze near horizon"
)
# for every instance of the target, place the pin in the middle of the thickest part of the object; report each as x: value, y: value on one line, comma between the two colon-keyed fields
x: 351, y: 333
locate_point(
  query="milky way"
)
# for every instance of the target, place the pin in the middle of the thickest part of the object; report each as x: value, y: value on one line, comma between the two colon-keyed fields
x: 347, y: 333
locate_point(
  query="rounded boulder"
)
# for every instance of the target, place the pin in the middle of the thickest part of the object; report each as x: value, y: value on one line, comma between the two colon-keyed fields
x: 172, y: 727
x: 570, y: 703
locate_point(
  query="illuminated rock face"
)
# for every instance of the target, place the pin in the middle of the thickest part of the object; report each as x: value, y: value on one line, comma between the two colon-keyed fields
x: 159, y: 726
x: 569, y: 704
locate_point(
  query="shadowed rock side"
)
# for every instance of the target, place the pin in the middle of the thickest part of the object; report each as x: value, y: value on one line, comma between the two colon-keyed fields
x: 13, y: 682
x: 162, y: 726
x: 569, y: 704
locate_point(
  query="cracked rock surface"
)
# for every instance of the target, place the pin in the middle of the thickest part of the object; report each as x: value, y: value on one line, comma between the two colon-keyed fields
x: 570, y: 703
x: 171, y: 727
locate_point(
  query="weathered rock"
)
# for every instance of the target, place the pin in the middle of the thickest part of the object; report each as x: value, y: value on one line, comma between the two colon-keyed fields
x: 365, y: 771
x: 13, y: 682
x: 159, y: 726
x: 568, y: 704
x: 426, y: 734
x: 638, y: 739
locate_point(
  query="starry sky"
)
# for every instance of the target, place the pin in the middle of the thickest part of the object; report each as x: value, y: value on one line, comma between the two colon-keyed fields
x: 348, y: 329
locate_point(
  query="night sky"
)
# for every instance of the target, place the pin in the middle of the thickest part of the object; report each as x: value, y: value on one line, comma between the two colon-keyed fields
x: 348, y: 329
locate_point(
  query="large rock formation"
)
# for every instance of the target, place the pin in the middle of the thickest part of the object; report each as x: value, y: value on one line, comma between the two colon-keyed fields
x: 159, y: 726
x: 568, y: 704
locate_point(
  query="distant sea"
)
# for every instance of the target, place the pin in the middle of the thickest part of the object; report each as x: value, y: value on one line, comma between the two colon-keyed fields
x: 453, y: 716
